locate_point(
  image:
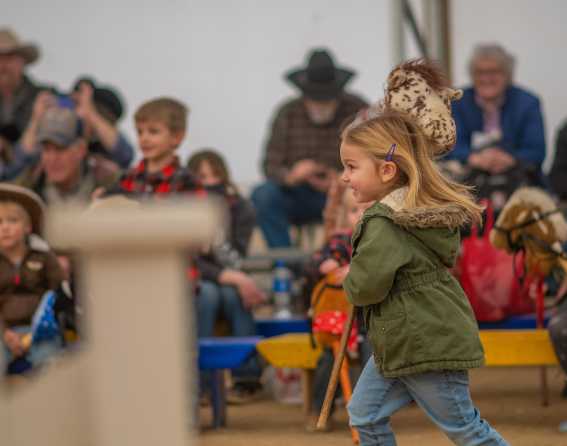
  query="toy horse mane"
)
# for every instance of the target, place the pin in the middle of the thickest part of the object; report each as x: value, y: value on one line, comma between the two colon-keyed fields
x: 429, y: 70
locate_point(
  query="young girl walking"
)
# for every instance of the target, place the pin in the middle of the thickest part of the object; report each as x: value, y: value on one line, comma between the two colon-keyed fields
x: 420, y: 325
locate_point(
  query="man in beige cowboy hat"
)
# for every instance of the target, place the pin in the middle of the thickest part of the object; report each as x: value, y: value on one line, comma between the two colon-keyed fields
x: 17, y: 92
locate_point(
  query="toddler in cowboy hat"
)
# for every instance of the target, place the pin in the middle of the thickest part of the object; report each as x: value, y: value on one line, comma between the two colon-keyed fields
x: 28, y: 269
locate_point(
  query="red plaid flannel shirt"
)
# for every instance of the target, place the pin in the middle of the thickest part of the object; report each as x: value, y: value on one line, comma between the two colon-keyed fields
x: 169, y: 181
x: 172, y: 179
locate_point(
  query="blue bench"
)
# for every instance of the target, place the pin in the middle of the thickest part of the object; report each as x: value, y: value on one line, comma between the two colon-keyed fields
x: 216, y: 355
x: 524, y: 321
x: 275, y: 327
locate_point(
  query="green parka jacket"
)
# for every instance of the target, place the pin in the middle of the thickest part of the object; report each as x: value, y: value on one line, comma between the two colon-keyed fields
x: 417, y: 315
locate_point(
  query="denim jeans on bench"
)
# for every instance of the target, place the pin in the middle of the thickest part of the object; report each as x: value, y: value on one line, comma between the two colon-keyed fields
x: 214, y: 300
x: 278, y: 206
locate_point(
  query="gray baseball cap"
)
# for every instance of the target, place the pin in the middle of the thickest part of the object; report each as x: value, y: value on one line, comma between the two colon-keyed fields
x: 60, y: 126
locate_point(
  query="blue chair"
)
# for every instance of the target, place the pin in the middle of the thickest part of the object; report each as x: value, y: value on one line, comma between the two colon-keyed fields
x: 216, y: 355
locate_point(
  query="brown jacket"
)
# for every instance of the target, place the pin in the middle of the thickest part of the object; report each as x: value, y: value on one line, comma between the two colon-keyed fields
x: 21, y: 288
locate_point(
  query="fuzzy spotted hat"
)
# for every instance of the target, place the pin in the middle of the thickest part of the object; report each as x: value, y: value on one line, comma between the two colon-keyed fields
x: 419, y: 88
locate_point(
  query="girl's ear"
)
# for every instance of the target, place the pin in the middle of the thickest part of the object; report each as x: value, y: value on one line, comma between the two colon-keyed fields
x: 388, y: 171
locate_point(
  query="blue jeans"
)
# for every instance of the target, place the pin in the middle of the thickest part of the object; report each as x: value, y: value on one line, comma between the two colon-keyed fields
x: 214, y: 300
x: 278, y: 206
x: 444, y: 396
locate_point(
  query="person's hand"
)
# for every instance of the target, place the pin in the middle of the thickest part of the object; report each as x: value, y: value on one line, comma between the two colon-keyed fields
x: 85, y: 107
x: 13, y: 341
x: 498, y: 160
x: 42, y: 102
x: 328, y: 265
x: 321, y: 180
x: 249, y: 292
x: 301, y: 171
x: 479, y: 161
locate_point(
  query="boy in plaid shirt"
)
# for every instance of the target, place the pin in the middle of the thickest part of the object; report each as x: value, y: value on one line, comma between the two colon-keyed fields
x: 161, y: 125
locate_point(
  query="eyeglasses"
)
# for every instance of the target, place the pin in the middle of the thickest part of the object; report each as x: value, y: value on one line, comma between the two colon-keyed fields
x: 390, y: 153
x: 488, y: 72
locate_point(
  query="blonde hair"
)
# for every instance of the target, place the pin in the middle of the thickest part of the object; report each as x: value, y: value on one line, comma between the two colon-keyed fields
x: 427, y: 187
x: 167, y: 110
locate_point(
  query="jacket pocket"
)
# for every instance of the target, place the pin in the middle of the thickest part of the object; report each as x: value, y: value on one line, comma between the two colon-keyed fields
x: 389, y: 341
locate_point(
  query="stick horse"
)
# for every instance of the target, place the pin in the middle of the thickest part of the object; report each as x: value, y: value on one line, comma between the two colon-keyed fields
x: 531, y: 223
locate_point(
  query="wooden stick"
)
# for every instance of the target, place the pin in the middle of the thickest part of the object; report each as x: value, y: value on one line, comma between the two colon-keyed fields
x: 333, y: 381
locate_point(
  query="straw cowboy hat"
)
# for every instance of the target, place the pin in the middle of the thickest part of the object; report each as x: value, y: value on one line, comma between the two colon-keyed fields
x: 11, y: 44
x: 29, y: 200
x: 321, y: 80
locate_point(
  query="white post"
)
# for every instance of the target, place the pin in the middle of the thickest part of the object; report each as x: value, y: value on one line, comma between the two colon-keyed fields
x: 136, y: 382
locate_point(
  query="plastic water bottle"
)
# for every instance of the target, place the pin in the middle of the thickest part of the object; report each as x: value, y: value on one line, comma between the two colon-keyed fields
x: 281, y: 290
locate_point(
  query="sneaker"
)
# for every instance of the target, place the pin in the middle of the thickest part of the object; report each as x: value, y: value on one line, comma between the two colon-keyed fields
x: 244, y: 393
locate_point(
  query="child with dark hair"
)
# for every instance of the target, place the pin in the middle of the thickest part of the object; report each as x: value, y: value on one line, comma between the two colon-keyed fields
x: 225, y: 289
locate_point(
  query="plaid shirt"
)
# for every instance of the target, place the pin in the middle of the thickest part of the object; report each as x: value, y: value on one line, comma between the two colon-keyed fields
x: 338, y: 248
x: 172, y: 180
x: 294, y: 137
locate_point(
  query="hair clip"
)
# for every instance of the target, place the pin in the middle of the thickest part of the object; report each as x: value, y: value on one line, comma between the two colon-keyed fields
x: 390, y: 153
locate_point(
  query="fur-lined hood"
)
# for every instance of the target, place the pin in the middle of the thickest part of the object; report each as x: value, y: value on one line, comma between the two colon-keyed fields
x: 450, y: 216
x: 438, y: 228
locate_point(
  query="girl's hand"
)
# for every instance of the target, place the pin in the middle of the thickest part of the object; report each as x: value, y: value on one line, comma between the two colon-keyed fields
x: 328, y: 265
x: 14, y: 342
x: 340, y: 274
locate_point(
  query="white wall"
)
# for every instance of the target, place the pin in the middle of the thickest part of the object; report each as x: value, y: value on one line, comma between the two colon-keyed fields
x: 226, y: 58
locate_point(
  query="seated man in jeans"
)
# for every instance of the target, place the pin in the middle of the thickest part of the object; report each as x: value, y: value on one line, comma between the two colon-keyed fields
x: 302, y: 152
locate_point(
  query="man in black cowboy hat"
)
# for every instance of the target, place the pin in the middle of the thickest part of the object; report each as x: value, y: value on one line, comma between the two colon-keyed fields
x: 302, y: 152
